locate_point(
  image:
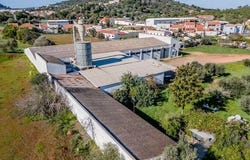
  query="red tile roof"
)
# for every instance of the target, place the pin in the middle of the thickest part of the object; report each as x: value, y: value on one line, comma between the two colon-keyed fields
x: 68, y: 26
x: 189, y: 23
x: 104, y: 20
x: 27, y: 25
x: 214, y: 23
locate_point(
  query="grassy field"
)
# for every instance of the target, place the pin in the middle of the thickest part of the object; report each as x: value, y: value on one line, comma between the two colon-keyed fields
x: 21, y: 139
x: 60, y: 38
x: 217, y: 50
x: 167, y: 108
x: 237, y: 69
x: 67, y: 38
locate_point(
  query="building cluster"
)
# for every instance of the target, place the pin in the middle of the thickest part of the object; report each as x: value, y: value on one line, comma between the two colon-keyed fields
x: 201, y: 25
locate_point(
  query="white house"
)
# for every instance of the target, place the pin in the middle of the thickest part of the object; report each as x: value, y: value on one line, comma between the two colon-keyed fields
x: 165, y: 22
x: 121, y: 21
x: 232, y: 29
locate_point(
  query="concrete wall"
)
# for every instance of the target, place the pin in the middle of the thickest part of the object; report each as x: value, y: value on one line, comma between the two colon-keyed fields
x: 92, y: 126
x: 56, y: 68
x: 37, y: 60
x: 168, y: 40
x: 111, y: 88
x: 43, y: 66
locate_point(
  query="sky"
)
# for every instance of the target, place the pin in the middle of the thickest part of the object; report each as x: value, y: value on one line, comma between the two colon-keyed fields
x: 27, y: 3
x: 221, y: 4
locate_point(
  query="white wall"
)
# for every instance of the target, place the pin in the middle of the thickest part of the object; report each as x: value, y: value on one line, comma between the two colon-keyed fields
x: 43, y: 66
x: 94, y: 129
x: 169, y: 40
x: 37, y: 60
x: 56, y: 68
x: 111, y: 88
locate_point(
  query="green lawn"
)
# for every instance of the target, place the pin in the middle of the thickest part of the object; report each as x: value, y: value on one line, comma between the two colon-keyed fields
x: 166, y: 108
x: 217, y: 50
x: 60, y: 38
x: 237, y: 69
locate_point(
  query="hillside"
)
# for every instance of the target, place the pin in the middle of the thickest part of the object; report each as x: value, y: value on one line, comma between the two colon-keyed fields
x: 3, y: 6
x: 136, y: 10
x: 140, y: 10
x: 238, y: 15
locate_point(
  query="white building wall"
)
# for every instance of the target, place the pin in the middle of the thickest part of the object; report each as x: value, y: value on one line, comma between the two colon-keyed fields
x: 43, y: 66
x: 94, y: 129
x: 37, y: 60
x: 56, y: 68
x: 169, y: 40
x: 111, y: 88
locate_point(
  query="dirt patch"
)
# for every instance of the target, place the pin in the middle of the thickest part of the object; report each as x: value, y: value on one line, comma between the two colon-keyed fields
x: 207, y: 58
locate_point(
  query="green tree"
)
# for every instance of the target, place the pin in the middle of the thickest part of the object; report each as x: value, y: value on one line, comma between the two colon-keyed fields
x: 26, y: 35
x: 247, y: 62
x: 245, y: 103
x: 173, y: 125
x: 9, y: 31
x: 136, y: 92
x: 186, y: 86
x: 92, y: 32
x: 182, y: 151
x: 235, y: 86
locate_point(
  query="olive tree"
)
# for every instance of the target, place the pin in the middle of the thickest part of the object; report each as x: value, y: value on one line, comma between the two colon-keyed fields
x: 186, y: 87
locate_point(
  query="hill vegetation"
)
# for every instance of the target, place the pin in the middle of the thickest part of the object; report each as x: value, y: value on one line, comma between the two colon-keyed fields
x: 239, y: 15
x: 140, y: 10
x: 136, y: 10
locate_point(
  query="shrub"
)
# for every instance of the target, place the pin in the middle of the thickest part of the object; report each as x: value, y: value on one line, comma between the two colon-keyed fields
x: 9, y: 31
x: 42, y: 41
x: 173, y: 125
x: 235, y: 86
x: 111, y: 153
x: 136, y: 92
x: 245, y: 103
x: 214, y: 99
x: 247, y: 78
x: 43, y: 101
x: 247, y: 62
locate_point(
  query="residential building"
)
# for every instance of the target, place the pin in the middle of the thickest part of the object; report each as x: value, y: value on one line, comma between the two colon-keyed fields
x: 214, y: 25
x: 157, y: 22
x: 67, y: 27
x: 121, y: 21
x: 232, y: 29
x: 27, y: 25
x: 205, y: 17
x: 189, y: 27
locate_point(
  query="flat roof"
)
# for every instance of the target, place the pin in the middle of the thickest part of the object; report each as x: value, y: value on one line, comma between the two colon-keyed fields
x: 72, y: 80
x: 64, y: 51
x: 140, y: 138
x: 112, y: 74
x: 51, y: 59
